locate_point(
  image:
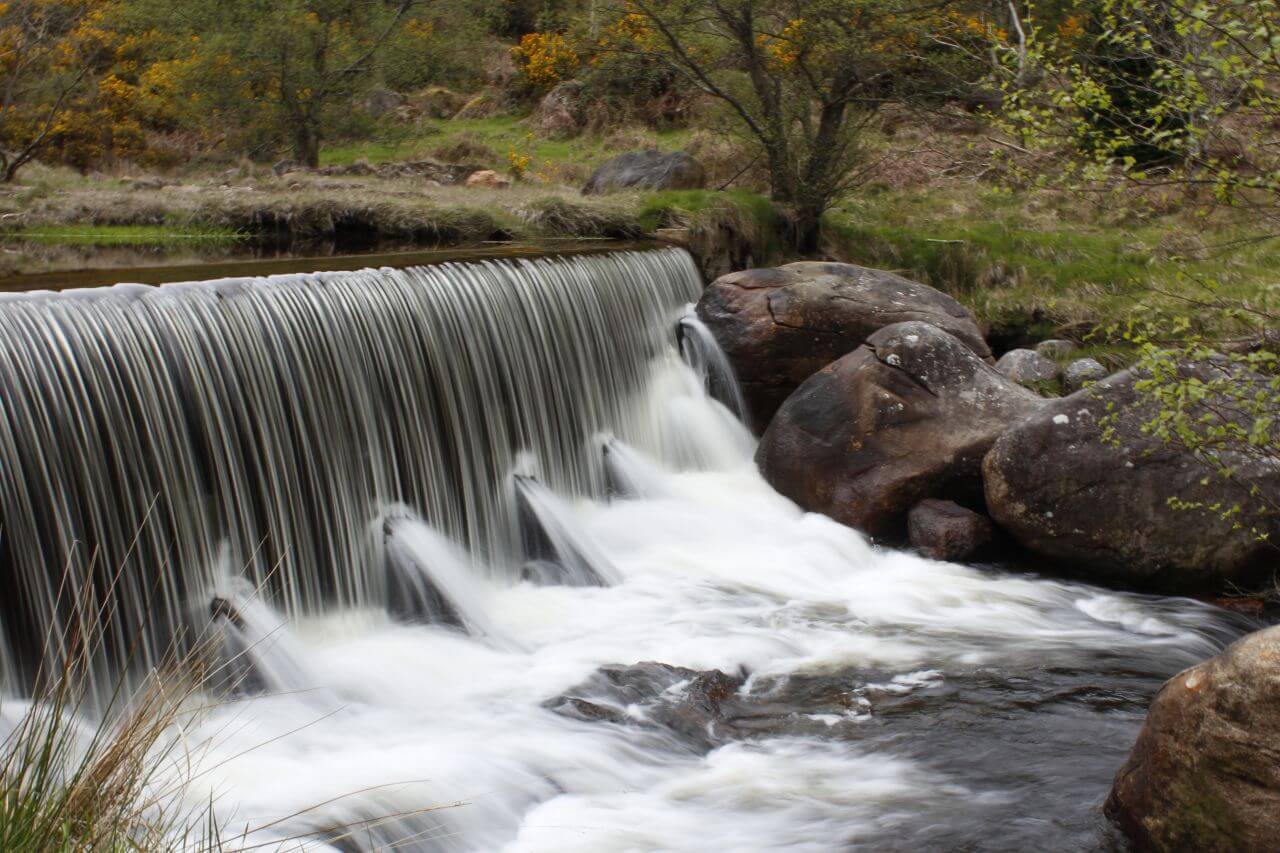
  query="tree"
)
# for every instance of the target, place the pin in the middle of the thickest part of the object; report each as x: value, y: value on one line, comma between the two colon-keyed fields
x: 282, y: 69
x: 1182, y: 93
x: 48, y: 49
x: 804, y: 77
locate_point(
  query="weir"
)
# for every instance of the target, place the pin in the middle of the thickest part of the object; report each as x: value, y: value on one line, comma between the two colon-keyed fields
x: 149, y: 435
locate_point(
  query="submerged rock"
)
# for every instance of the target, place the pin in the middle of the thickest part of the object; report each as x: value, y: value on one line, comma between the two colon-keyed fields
x: 907, y: 416
x: 1030, y: 369
x: 779, y: 326
x: 1082, y: 372
x: 1061, y: 490
x: 689, y: 703
x: 1205, y: 772
x: 704, y: 709
x: 647, y: 170
x: 944, y: 530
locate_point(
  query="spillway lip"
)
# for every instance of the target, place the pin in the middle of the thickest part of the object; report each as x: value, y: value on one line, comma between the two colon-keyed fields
x: 63, y: 281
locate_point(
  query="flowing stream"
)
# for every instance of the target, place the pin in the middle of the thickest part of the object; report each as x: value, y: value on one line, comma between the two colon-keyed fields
x: 422, y: 508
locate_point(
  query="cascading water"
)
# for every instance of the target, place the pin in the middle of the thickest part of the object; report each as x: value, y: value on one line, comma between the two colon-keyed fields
x: 145, y: 429
x: 385, y: 453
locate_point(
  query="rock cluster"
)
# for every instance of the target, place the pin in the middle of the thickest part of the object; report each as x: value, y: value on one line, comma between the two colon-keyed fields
x: 880, y: 408
x: 780, y: 326
x: 875, y: 393
x: 907, y: 416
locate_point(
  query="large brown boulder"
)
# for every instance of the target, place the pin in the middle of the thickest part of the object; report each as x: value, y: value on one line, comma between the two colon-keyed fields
x: 1205, y: 772
x: 907, y: 416
x: 1061, y: 490
x: 779, y: 326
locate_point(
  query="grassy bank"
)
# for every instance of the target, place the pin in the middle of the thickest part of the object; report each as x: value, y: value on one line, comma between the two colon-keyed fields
x: 1040, y: 264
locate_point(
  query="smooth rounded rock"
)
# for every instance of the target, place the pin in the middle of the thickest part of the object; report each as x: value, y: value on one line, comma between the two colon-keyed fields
x: 1056, y: 348
x: 1029, y: 369
x: 779, y: 326
x: 1079, y: 481
x: 1082, y: 372
x: 1204, y: 774
x: 905, y: 417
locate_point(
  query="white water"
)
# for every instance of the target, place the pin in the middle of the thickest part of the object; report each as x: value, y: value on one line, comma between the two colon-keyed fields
x: 973, y: 709
x: 718, y: 571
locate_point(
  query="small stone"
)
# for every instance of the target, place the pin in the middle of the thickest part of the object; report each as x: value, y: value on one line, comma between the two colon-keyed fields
x: 1056, y: 348
x: 487, y: 179
x: 943, y: 530
x: 1029, y: 369
x: 1081, y: 372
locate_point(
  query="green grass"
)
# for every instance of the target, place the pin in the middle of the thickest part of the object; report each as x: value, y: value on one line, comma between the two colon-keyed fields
x: 122, y: 235
x: 1039, y: 262
x: 502, y: 134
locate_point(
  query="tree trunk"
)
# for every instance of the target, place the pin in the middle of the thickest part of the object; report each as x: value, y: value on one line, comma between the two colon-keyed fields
x: 809, y: 227
x: 306, y: 146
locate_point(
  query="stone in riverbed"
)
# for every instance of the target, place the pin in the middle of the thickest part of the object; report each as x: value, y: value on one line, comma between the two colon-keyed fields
x: 1029, y: 369
x: 779, y: 326
x: 1061, y: 490
x: 907, y: 416
x: 944, y: 530
x: 1204, y: 774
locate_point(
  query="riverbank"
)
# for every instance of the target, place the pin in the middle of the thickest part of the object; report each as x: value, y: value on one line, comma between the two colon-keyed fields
x: 1030, y: 264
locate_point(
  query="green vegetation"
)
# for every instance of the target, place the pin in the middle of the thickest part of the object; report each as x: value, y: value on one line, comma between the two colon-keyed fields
x: 122, y: 235
x: 1044, y: 260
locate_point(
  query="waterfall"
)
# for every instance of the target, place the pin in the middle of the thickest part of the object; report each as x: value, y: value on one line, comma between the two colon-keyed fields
x: 145, y: 429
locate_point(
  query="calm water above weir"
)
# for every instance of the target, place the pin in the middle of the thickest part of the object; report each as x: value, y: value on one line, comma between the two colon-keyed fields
x: 422, y: 506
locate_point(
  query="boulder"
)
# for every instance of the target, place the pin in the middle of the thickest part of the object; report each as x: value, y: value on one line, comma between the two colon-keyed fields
x: 647, y: 170
x: 907, y: 416
x: 487, y: 179
x: 1081, y: 372
x: 779, y: 326
x: 944, y: 530
x: 1205, y: 772
x: 1055, y: 348
x: 1029, y: 369
x: 559, y: 113
x: 1061, y: 490
x: 381, y: 102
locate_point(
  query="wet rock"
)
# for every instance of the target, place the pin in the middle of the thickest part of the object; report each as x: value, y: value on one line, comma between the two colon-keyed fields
x: 905, y: 417
x: 779, y: 326
x: 487, y: 179
x: 689, y: 703
x: 1081, y: 372
x: 705, y: 709
x: 1205, y: 771
x: 1029, y: 369
x: 1103, y: 506
x: 1056, y: 348
x: 944, y: 530
x: 559, y: 113
x: 647, y: 170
